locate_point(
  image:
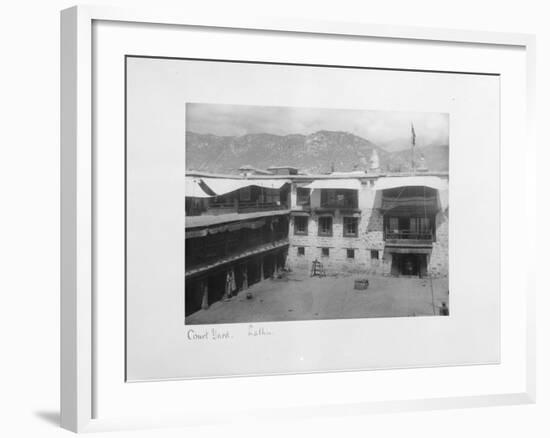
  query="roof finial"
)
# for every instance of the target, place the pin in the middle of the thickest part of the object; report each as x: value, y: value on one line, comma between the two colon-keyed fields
x: 374, y: 160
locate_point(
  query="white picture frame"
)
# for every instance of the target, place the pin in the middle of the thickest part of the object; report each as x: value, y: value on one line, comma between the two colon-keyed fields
x: 79, y: 366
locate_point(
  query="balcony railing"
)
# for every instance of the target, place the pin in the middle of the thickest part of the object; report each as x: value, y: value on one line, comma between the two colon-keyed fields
x: 408, y: 238
x: 243, y: 207
x: 249, y: 206
x: 408, y: 235
x: 343, y: 205
x: 221, y: 207
x: 194, y: 211
x: 324, y: 209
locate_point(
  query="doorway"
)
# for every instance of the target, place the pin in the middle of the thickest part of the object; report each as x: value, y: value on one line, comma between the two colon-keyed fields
x: 409, y: 265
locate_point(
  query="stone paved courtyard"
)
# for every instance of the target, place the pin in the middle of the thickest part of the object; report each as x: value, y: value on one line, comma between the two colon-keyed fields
x: 296, y: 296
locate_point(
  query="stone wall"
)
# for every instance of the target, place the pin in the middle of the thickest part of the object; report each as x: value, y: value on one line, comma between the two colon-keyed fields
x: 338, y: 244
x: 438, y: 262
x: 370, y: 238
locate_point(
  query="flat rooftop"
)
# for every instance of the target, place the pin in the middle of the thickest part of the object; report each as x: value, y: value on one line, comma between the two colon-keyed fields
x: 309, y: 177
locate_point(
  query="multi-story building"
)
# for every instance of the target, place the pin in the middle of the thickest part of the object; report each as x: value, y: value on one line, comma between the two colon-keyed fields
x: 381, y: 224
x: 243, y: 229
x: 236, y: 234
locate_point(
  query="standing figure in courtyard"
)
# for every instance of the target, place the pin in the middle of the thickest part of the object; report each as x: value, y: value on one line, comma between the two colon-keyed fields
x: 230, y: 284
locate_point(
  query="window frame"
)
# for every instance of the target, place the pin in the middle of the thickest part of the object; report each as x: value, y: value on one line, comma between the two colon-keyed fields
x: 297, y: 232
x: 345, y: 232
x: 319, y: 227
x: 301, y: 199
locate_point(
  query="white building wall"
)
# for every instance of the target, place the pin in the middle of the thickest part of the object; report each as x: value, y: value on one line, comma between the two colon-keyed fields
x: 438, y: 263
x: 293, y: 196
x: 370, y: 238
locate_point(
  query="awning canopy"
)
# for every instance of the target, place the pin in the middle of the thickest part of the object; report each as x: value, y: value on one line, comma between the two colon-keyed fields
x: 409, y: 204
x: 194, y: 190
x: 432, y: 182
x: 268, y: 183
x: 221, y: 186
x: 351, y: 184
x: 392, y: 182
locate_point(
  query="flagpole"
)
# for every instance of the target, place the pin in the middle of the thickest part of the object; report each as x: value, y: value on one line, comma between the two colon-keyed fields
x: 412, y: 159
x: 413, y: 143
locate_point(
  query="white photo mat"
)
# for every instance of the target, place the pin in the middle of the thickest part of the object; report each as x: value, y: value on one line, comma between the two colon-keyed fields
x: 164, y: 402
x: 158, y: 346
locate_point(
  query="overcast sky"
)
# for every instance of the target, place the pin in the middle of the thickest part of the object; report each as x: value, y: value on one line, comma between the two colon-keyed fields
x: 386, y: 128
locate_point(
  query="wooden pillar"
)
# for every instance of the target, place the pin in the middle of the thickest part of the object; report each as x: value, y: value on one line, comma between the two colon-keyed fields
x: 276, y: 274
x: 245, y: 276
x: 227, y: 289
x: 283, y: 259
x: 261, y: 268
x: 203, y: 285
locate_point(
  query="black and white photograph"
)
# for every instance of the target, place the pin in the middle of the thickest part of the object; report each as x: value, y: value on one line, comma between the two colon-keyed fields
x: 277, y: 210
x: 253, y: 219
x: 311, y: 213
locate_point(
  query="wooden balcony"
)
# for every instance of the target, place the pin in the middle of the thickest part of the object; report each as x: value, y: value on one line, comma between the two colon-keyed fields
x: 340, y: 205
x: 237, y: 253
x: 331, y: 209
x: 302, y: 206
x: 408, y: 238
x: 243, y: 207
x: 251, y: 206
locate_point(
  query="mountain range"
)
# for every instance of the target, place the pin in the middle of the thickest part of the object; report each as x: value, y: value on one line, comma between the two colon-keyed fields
x: 319, y: 152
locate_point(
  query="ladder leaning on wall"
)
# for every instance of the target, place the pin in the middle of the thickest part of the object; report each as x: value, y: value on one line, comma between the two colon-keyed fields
x: 317, y: 269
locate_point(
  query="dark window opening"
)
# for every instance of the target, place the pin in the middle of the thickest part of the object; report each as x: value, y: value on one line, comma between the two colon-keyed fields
x: 409, y: 265
x: 325, y: 252
x: 410, y: 227
x: 302, y: 196
x: 350, y: 253
x: 301, y: 251
x: 374, y: 254
x: 325, y: 226
x: 350, y: 227
x: 339, y: 198
x: 300, y: 225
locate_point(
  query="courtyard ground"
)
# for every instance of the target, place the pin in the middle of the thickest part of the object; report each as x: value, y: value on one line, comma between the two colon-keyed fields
x: 296, y: 296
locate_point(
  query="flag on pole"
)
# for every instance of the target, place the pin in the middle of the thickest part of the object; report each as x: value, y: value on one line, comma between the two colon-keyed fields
x: 413, y: 136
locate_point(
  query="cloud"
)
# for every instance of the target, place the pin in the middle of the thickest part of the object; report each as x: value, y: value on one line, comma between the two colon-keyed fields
x: 386, y: 128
